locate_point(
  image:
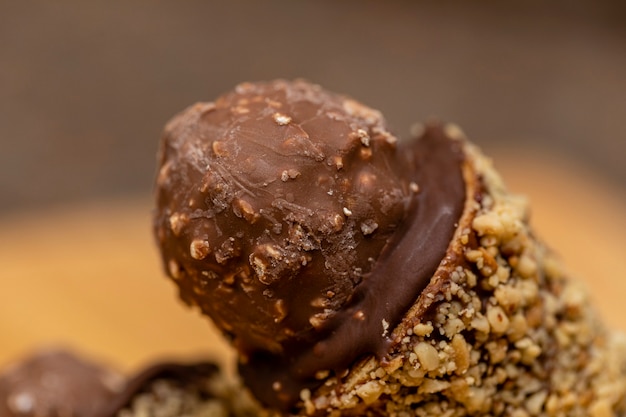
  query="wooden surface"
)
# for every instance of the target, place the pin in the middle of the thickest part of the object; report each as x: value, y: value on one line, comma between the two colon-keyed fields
x: 88, y: 276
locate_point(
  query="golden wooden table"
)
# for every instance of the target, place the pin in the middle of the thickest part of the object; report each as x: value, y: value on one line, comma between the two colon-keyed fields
x: 88, y: 276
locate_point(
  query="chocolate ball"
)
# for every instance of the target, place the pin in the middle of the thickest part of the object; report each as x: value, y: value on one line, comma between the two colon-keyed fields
x: 54, y: 383
x: 273, y: 204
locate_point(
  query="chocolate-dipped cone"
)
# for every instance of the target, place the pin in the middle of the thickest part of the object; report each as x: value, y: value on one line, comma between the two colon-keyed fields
x: 361, y: 276
x: 499, y: 330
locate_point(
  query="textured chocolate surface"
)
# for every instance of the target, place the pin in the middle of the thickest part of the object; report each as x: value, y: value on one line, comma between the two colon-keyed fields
x: 56, y: 384
x: 279, y: 211
x: 402, y: 271
x: 272, y: 205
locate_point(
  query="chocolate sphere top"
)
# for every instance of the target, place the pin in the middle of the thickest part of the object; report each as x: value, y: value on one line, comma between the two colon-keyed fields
x: 273, y: 203
x: 295, y: 220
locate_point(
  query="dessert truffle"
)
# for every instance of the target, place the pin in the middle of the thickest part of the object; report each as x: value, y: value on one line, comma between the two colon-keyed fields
x: 273, y: 204
x: 58, y: 383
x: 275, y: 207
x: 55, y: 383
x: 176, y: 389
x: 361, y: 275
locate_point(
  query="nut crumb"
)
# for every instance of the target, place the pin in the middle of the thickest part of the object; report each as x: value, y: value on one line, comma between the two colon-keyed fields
x: 281, y: 119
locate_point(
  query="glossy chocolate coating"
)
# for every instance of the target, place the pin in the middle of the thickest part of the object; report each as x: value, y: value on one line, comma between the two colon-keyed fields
x: 56, y: 383
x: 402, y: 271
x: 293, y: 218
x: 273, y: 204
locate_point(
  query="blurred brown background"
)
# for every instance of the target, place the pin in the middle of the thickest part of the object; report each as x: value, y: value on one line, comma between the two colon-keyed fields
x: 85, y: 88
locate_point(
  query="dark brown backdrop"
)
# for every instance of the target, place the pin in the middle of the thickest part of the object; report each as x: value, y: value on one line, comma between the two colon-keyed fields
x: 85, y: 87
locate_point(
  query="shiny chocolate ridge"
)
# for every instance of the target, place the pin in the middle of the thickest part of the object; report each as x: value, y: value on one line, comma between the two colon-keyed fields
x: 403, y: 270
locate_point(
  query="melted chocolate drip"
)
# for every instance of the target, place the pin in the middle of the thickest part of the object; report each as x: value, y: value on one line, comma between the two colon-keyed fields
x: 403, y: 270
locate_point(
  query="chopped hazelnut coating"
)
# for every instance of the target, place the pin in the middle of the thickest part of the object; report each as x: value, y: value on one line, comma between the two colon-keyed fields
x: 500, y: 331
x: 358, y: 275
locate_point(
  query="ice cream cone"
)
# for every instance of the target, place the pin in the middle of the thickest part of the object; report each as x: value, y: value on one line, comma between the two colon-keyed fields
x: 358, y: 275
x: 499, y: 330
